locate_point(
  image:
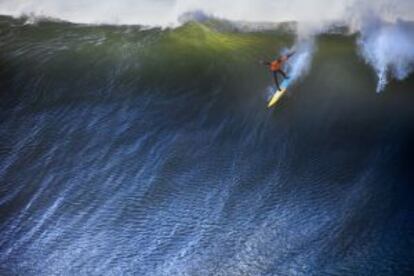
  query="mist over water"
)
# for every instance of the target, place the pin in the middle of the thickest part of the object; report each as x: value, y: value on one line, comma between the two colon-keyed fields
x: 161, y: 12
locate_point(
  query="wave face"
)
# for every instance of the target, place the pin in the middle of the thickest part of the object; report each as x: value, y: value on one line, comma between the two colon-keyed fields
x: 127, y: 150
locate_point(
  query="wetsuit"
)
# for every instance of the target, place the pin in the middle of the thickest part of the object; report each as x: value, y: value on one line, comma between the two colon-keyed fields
x: 276, y: 67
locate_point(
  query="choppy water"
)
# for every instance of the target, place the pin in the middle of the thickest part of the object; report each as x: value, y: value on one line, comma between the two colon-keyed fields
x: 151, y: 152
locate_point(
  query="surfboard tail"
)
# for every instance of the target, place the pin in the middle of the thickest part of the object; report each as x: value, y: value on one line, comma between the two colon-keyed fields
x: 278, y: 94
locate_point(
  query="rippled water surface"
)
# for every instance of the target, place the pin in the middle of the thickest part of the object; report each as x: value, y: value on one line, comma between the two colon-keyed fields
x: 151, y: 152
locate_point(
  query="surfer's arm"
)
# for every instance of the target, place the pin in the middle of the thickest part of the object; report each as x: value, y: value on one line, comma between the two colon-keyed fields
x: 267, y: 63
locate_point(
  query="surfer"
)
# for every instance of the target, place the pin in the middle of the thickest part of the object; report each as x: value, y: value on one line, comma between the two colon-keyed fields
x: 276, y: 65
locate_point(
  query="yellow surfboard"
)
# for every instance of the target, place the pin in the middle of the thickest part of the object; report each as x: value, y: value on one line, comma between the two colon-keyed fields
x: 275, y: 98
x: 279, y: 93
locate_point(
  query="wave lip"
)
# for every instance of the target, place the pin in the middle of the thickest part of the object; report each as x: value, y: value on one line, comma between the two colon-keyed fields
x: 167, y: 12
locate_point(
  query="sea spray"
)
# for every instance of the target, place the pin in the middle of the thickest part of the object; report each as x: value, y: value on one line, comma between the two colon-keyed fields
x: 300, y: 62
x: 303, y: 48
x: 167, y: 12
x: 388, y: 48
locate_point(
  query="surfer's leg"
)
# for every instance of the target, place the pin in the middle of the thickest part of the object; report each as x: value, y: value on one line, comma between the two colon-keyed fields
x: 276, y: 81
x: 283, y: 74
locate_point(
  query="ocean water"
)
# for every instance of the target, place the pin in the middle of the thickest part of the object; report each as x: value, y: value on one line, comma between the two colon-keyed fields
x: 133, y: 151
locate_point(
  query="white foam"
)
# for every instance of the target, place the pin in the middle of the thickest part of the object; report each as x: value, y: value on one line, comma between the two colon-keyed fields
x: 388, y: 48
x: 167, y: 12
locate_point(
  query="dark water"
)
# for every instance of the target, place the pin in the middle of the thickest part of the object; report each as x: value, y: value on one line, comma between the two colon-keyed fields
x: 150, y: 152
